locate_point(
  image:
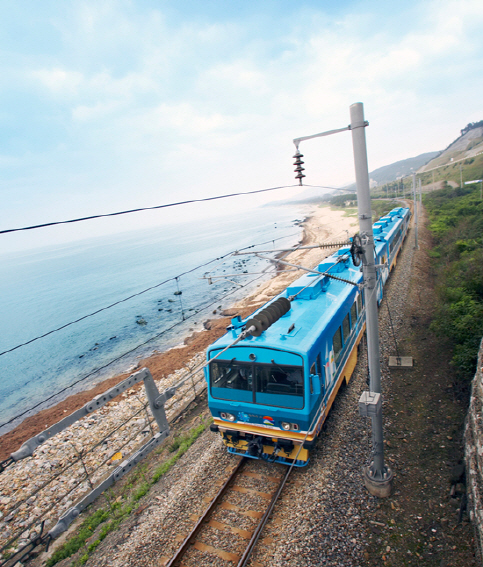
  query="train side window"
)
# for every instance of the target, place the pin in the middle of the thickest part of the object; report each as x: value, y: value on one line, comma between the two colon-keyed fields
x: 312, y: 369
x: 353, y: 314
x: 321, y: 372
x: 359, y: 304
x: 346, y: 327
x: 319, y: 365
x: 337, y: 343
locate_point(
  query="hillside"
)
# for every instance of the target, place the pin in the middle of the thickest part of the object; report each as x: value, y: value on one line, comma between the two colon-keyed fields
x: 468, y: 146
x: 401, y: 168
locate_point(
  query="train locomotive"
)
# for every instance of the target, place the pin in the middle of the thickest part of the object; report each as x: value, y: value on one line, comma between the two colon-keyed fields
x: 273, y: 377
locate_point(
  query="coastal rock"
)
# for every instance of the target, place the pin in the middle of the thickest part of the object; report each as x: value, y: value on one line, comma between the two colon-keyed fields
x: 190, y: 339
x: 230, y: 312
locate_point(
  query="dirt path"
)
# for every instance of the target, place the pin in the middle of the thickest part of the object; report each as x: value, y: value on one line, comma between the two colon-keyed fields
x: 424, y: 522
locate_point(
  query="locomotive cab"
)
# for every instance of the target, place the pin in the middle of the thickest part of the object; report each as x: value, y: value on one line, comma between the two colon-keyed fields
x: 259, y: 399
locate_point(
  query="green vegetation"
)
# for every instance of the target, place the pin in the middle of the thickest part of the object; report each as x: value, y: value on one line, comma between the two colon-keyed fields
x: 456, y: 221
x: 347, y: 199
x: 471, y: 126
x: 472, y: 168
x: 120, y: 508
x: 348, y: 202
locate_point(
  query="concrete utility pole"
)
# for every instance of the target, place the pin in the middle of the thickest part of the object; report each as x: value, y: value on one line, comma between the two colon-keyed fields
x: 377, y: 477
x: 416, y: 245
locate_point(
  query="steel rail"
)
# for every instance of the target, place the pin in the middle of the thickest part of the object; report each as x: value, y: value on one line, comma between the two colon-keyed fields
x: 204, y: 518
x: 258, y: 532
x: 191, y: 537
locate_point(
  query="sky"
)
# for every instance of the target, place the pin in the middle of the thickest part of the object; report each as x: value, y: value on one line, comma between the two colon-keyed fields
x: 108, y: 105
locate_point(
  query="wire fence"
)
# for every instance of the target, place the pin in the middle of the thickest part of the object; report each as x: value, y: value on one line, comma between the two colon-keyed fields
x: 186, y: 312
x: 38, y: 490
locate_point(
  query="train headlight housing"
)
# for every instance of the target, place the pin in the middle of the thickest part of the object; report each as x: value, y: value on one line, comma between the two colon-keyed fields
x: 289, y: 426
x: 227, y: 416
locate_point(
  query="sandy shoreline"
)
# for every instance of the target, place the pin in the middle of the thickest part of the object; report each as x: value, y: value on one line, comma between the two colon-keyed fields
x: 321, y: 225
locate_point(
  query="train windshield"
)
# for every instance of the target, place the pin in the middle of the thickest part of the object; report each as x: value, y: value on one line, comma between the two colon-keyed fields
x: 267, y: 384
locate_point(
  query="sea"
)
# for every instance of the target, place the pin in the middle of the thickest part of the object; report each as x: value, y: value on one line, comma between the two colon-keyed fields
x: 73, y: 314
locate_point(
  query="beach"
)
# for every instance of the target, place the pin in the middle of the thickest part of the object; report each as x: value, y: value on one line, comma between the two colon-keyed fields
x: 321, y: 225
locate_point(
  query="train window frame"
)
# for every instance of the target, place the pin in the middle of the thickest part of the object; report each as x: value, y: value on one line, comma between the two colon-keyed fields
x: 311, y: 373
x: 337, y: 352
x: 353, y: 315
x: 254, y: 384
x: 321, y: 372
x: 360, y: 304
x: 346, y: 328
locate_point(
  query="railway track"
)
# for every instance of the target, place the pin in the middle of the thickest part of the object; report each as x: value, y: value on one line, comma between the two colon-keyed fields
x: 229, y: 529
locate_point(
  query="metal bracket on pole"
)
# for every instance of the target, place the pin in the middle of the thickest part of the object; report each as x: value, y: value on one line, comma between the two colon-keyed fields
x: 329, y: 133
x: 157, y: 401
x: 370, y: 404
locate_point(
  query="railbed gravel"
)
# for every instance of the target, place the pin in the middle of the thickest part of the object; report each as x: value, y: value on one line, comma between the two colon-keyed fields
x: 324, y: 511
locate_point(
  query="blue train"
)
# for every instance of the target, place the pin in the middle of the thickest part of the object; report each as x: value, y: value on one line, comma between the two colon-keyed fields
x: 273, y: 378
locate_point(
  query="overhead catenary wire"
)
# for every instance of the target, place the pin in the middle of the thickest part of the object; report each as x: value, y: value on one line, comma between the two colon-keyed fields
x: 164, y: 206
x: 174, y: 278
x: 131, y: 351
x: 156, y: 207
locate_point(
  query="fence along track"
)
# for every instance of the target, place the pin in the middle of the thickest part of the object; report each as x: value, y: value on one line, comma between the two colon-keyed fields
x: 199, y: 540
x: 34, y: 494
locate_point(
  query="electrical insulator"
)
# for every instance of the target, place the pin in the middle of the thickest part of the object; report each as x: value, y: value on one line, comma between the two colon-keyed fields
x: 298, y: 162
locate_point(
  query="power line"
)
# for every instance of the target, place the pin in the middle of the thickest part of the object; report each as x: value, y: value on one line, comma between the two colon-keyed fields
x: 158, y: 335
x: 80, y: 219
x: 174, y: 278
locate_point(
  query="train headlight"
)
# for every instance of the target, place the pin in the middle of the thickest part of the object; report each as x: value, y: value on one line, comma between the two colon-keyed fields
x: 226, y: 415
x: 289, y: 426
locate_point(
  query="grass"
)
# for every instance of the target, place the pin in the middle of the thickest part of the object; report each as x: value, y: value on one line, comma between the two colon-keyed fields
x: 117, y: 511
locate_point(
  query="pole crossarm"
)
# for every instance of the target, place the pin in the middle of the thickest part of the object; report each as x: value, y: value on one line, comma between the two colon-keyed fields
x: 328, y: 133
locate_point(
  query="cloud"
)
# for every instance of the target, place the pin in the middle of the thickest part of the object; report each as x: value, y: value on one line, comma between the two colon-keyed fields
x: 130, y: 96
x: 59, y: 81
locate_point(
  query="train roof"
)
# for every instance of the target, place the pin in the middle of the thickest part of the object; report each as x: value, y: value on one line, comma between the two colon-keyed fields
x: 317, y: 299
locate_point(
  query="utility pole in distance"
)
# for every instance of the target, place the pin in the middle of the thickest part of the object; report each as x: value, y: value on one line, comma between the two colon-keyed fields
x: 416, y: 245
x: 377, y: 476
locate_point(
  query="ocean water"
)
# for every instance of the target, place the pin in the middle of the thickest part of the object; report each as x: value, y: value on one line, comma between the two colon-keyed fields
x: 47, y: 288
